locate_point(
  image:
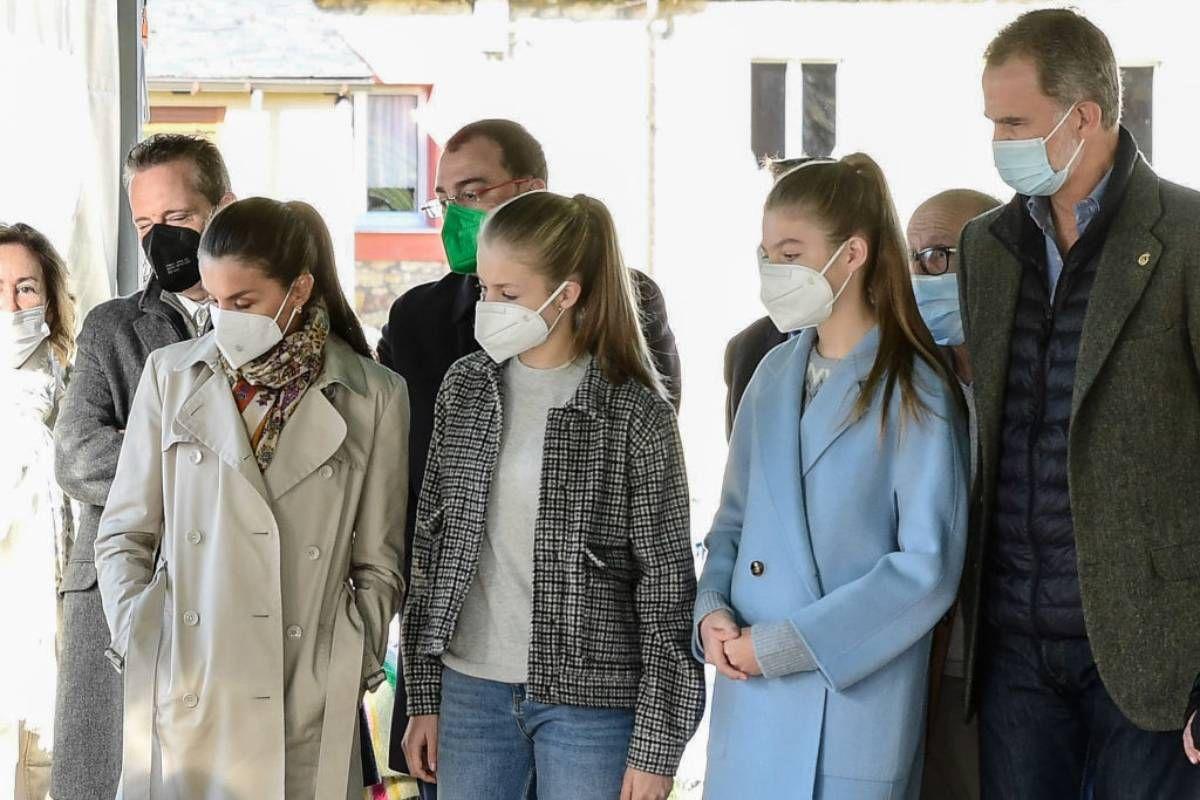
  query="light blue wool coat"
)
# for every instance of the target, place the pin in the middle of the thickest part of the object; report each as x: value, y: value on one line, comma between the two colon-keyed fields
x: 858, y: 542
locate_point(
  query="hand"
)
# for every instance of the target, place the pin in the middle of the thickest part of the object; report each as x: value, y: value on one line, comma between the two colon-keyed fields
x: 715, y: 630
x: 640, y: 785
x: 1189, y: 746
x: 420, y: 745
x: 740, y: 654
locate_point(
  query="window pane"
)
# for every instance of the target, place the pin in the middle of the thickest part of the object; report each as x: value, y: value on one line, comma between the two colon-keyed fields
x: 391, y: 153
x: 768, y: 90
x: 1137, y: 113
x: 820, y: 109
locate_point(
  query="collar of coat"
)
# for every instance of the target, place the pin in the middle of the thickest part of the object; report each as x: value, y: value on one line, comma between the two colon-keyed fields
x: 342, y: 364
x: 1015, y: 228
x: 592, y: 398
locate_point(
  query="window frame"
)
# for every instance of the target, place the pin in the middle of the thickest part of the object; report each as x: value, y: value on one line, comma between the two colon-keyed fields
x: 787, y: 116
x: 391, y: 221
x: 1155, y: 67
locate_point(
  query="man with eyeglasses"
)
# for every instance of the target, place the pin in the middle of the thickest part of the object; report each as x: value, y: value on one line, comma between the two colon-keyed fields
x: 952, y: 753
x: 432, y: 326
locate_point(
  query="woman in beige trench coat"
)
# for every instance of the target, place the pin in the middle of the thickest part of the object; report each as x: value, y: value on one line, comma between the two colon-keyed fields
x: 249, y: 555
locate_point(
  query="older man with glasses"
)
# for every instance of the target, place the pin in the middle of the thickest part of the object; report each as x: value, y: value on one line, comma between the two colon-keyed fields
x: 952, y: 753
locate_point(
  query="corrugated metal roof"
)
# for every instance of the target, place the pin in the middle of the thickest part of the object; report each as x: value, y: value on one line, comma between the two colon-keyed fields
x: 247, y: 39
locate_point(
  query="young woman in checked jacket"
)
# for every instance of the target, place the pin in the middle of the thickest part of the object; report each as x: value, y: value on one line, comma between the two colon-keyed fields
x: 547, y: 633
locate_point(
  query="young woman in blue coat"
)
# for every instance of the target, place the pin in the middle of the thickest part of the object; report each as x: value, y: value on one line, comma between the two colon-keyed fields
x: 840, y: 536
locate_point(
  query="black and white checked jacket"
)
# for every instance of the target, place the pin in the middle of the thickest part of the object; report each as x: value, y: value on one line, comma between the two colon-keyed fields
x: 614, y: 581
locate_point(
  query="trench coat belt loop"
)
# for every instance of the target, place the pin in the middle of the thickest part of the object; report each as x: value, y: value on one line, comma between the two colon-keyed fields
x: 141, y: 670
x: 342, y: 697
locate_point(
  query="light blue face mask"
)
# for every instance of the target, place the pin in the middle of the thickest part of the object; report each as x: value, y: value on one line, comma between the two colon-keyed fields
x: 1025, y: 165
x: 937, y: 300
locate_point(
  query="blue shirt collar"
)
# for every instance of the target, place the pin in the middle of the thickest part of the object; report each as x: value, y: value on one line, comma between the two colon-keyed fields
x: 1086, y: 209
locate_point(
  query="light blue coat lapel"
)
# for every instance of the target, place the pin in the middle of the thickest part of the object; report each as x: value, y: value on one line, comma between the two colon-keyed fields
x: 777, y: 434
x: 829, y: 415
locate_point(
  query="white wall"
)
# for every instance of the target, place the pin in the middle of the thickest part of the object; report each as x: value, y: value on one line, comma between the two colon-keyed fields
x: 58, y: 78
x: 908, y: 94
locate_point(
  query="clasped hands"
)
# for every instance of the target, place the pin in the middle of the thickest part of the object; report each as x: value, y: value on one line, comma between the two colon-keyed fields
x: 728, y: 647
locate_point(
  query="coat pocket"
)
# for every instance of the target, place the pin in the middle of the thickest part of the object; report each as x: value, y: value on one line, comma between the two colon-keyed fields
x: 1176, y: 562
x: 608, y: 631
x: 78, y: 576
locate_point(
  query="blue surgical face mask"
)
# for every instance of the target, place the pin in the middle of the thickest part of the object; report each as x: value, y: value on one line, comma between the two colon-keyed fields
x: 937, y: 300
x: 1024, y: 164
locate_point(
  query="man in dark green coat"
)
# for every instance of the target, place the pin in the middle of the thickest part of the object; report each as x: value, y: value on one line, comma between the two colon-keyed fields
x: 1081, y: 304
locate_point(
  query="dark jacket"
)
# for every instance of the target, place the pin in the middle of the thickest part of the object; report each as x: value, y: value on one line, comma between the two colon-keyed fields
x: 615, y: 582
x: 1133, y: 437
x: 742, y: 356
x: 1032, y: 578
x: 114, y: 343
x: 431, y: 327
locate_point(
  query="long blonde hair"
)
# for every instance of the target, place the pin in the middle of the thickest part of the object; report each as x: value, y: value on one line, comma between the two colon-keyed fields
x: 574, y: 238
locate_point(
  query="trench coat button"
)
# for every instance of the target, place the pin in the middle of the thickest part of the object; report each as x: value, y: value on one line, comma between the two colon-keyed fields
x: 295, y: 631
x: 313, y: 553
x: 190, y: 700
x: 326, y: 471
x: 756, y: 568
x: 196, y: 457
x: 191, y: 618
x: 194, y: 537
x: 1143, y: 259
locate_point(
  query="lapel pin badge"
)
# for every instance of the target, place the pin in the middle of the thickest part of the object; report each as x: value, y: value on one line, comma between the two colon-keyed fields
x: 1143, y: 259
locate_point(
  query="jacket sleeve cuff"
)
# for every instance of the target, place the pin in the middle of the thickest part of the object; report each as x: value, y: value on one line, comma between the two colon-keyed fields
x: 658, y: 758
x: 706, y: 603
x: 423, y: 685
x: 374, y: 681
x: 780, y: 650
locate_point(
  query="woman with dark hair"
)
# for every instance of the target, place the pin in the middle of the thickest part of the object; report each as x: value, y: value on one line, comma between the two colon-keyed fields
x: 840, y: 536
x: 37, y: 337
x: 249, y: 554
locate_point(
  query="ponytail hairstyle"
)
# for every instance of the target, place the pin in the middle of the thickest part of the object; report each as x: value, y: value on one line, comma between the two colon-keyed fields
x: 285, y: 240
x: 574, y: 239
x: 850, y: 197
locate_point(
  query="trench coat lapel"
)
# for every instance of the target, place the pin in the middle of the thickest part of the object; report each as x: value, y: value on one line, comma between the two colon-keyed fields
x: 211, y: 416
x: 316, y: 430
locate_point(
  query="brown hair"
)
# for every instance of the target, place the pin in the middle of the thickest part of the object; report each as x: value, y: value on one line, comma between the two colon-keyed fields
x: 211, y: 177
x: 1073, y: 58
x: 574, y: 239
x: 286, y: 240
x: 520, y: 153
x: 850, y: 197
x: 60, y: 305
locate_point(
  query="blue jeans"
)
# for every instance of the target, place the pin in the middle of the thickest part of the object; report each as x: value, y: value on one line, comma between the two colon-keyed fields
x: 1048, y: 730
x: 496, y: 744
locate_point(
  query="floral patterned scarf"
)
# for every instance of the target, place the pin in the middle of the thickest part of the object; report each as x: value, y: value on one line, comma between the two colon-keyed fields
x: 268, y: 389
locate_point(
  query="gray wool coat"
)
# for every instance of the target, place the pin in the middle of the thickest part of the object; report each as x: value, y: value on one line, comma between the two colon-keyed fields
x: 116, y: 339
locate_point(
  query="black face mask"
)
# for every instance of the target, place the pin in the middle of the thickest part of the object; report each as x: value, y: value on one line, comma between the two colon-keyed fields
x: 174, y: 255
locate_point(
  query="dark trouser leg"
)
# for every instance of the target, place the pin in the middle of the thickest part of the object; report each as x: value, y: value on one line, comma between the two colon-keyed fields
x: 1033, y: 736
x: 952, y: 759
x: 1128, y: 763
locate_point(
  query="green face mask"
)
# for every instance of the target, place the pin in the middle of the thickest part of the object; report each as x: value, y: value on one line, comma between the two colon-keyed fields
x: 460, y: 237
